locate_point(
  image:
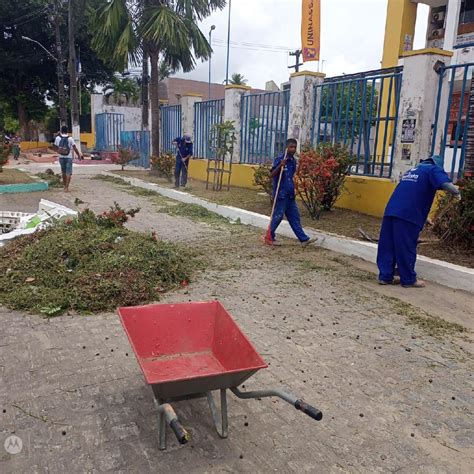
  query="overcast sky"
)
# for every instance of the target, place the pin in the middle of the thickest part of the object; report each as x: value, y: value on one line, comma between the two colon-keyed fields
x: 352, y: 34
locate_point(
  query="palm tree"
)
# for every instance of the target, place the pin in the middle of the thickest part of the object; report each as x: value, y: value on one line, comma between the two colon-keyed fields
x: 165, y: 30
x: 238, y: 79
x: 122, y: 88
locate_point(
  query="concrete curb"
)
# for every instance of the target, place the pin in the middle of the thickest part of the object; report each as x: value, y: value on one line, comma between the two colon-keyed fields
x: 444, y: 273
x: 24, y: 187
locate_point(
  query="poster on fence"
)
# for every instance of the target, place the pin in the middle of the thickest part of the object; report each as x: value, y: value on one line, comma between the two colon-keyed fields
x: 310, y: 29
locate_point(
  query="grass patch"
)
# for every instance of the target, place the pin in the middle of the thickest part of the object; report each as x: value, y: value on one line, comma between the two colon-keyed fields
x: 194, y: 212
x: 432, y: 325
x: 87, y: 265
x: 12, y: 176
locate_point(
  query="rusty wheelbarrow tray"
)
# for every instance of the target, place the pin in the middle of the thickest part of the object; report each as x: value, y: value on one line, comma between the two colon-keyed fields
x: 186, y: 351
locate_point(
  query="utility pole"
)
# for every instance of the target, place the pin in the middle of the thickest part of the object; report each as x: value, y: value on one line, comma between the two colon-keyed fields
x: 76, y: 130
x: 228, y: 46
x: 56, y: 19
x: 297, y: 65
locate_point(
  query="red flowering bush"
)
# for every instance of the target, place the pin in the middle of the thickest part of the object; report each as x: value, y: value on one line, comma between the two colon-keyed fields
x: 320, y: 176
x: 115, y: 217
x: 163, y: 165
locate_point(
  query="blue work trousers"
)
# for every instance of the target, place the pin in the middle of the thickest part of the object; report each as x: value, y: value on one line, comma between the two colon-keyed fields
x: 397, y: 248
x: 287, y: 207
x: 181, y: 172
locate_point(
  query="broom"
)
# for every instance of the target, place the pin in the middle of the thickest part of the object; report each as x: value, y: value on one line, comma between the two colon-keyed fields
x: 268, y: 236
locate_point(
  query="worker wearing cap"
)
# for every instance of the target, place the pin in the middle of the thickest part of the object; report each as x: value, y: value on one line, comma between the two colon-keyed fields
x: 184, y: 151
x: 404, y: 218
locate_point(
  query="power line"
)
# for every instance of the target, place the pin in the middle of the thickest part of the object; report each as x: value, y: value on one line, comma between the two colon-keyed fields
x: 254, y: 45
x: 253, y: 49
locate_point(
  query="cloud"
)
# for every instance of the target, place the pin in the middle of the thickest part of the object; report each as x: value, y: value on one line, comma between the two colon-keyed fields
x: 352, y: 35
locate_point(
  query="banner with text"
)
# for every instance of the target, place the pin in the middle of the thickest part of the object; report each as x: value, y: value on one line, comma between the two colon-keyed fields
x: 310, y: 29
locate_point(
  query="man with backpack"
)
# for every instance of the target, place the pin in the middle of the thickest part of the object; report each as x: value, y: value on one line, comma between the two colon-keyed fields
x: 64, y: 144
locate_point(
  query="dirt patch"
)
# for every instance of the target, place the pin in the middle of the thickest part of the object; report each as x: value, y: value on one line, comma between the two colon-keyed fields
x: 12, y: 176
x: 339, y: 221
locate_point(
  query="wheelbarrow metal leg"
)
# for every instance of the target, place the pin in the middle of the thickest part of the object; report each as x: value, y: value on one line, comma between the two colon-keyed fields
x: 221, y: 425
x: 162, y: 428
x: 168, y: 416
x: 291, y: 399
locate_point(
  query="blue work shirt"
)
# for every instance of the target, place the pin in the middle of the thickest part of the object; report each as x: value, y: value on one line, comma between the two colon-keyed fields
x: 413, y: 197
x: 287, y: 186
x: 185, y: 149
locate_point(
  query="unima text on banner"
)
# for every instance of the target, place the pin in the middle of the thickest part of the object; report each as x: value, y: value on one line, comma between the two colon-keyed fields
x: 310, y: 29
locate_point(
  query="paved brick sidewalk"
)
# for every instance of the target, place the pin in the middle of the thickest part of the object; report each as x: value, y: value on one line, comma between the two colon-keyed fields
x: 394, y: 398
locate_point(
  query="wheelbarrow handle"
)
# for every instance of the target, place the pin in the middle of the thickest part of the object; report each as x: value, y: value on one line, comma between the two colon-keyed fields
x: 181, y: 434
x: 309, y: 410
x: 289, y: 398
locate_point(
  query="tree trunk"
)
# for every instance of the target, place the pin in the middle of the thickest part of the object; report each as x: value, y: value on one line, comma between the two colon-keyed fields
x: 145, y: 98
x: 60, y: 71
x: 469, y: 157
x: 24, y: 121
x: 155, y: 104
x: 72, y: 76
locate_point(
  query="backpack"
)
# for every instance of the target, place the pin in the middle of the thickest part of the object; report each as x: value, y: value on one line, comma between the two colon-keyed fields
x: 63, y: 148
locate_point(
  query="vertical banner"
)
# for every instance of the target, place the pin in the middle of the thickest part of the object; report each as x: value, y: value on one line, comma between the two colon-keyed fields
x: 310, y: 29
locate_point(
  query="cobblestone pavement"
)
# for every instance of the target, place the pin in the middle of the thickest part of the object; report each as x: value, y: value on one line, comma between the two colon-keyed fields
x: 394, y: 397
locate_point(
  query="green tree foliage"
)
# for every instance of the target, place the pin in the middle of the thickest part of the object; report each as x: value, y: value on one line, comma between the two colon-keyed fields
x: 28, y: 75
x: 346, y: 107
x: 165, y: 30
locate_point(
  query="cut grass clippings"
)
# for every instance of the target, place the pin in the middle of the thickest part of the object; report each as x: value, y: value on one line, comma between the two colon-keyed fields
x: 339, y: 221
x: 432, y: 325
x: 88, y: 267
x: 53, y: 180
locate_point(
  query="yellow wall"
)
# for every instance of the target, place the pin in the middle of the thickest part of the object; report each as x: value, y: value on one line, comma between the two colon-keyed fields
x: 242, y: 175
x: 25, y: 146
x: 88, y: 139
x: 401, y: 20
x: 362, y: 194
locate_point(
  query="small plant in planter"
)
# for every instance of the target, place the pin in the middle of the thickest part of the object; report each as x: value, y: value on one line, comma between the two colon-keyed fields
x: 126, y: 155
x: 320, y: 176
x: 163, y: 166
x: 262, y: 177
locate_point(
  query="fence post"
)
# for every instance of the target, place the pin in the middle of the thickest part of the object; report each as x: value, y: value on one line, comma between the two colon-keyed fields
x: 232, y: 111
x: 417, y: 110
x: 301, y: 105
x: 187, y: 102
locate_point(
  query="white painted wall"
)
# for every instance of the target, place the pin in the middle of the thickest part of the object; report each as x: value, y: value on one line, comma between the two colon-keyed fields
x: 132, y: 115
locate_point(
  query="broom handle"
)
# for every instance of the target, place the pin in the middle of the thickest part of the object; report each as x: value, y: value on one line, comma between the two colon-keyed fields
x: 277, y: 191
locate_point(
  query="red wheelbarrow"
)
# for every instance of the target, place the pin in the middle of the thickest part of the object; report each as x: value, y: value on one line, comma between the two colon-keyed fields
x: 188, y: 350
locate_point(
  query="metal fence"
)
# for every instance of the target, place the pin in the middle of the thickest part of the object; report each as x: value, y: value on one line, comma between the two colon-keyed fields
x: 206, y: 114
x: 107, y: 131
x: 456, y: 114
x: 138, y: 141
x: 361, y: 112
x: 170, y: 126
x: 264, y: 126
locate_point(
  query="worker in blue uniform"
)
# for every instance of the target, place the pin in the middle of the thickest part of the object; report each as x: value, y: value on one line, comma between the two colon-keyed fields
x: 404, y: 218
x: 286, y: 199
x: 184, y: 152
